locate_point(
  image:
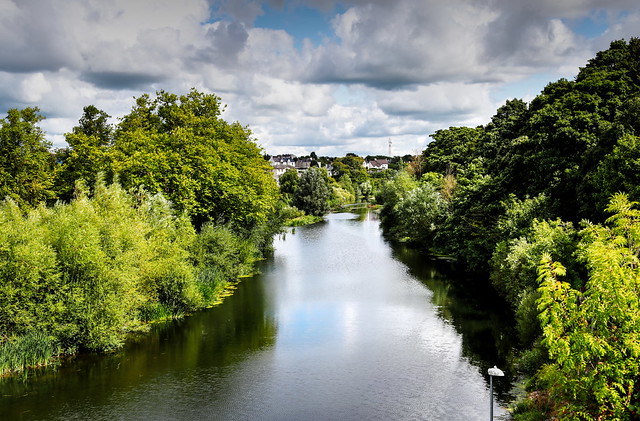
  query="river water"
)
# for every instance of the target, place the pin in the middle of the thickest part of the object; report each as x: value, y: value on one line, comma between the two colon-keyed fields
x: 340, y: 325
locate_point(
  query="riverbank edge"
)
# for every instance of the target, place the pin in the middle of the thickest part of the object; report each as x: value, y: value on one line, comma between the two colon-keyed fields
x: 38, y: 351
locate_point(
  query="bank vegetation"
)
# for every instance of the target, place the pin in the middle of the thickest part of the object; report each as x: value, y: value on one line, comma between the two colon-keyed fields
x: 148, y: 219
x: 543, y: 203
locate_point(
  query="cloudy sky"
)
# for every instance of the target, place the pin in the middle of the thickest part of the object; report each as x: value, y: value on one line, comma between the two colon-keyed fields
x: 305, y: 75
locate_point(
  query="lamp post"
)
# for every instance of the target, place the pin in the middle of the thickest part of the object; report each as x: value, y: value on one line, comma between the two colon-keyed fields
x: 495, y: 371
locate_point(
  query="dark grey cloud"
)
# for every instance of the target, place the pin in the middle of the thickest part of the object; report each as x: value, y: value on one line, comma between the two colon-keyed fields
x: 397, y: 44
x: 391, y: 45
x: 32, y: 39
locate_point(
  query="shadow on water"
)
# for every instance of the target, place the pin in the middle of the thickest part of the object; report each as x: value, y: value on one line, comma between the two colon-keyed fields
x: 336, y: 327
x: 209, y: 340
x: 472, y: 307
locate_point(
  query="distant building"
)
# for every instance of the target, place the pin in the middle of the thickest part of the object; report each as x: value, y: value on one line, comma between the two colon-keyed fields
x: 281, y: 163
x: 302, y: 165
x: 286, y: 159
x: 376, y: 164
x: 278, y: 170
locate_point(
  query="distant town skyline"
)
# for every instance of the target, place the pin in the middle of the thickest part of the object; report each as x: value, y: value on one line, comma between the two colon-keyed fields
x: 327, y: 76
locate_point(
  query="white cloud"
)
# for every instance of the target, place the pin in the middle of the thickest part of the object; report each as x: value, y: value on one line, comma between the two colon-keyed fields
x: 398, y: 70
x: 33, y: 87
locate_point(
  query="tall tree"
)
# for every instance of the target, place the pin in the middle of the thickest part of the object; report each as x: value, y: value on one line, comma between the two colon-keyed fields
x: 87, y: 153
x: 207, y: 167
x: 451, y: 149
x: 313, y: 192
x: 26, y: 165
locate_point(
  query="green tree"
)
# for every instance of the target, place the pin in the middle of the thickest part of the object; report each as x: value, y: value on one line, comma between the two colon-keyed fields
x: 207, y: 167
x: 88, y: 152
x: 390, y: 193
x: 351, y: 165
x: 289, y: 184
x: 619, y: 170
x: 470, y: 231
x: 420, y: 214
x: 313, y: 192
x: 593, y: 336
x: 514, y: 266
x: 26, y: 164
x: 451, y: 149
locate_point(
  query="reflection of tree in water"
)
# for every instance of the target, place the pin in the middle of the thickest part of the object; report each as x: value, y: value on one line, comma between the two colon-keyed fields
x: 477, y: 313
x: 208, y: 340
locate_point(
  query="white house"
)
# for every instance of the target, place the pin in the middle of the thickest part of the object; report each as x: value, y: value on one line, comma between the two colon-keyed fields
x: 376, y: 164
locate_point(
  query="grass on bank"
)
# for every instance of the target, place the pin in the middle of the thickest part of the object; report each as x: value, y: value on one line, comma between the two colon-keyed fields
x: 33, y: 349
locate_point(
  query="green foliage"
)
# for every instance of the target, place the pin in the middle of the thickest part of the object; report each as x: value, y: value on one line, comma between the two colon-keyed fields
x: 31, y: 297
x: 419, y: 214
x: 26, y: 165
x: 340, y: 196
x: 519, y: 214
x: 221, y: 255
x: 366, y: 189
x: 470, y: 231
x: 619, y: 170
x: 451, y: 149
x: 180, y: 147
x: 569, y: 149
x: 391, y: 192
x: 313, y: 192
x: 207, y: 167
x: 104, y: 259
x: 288, y: 184
x: 514, y: 262
x: 32, y: 349
x: 90, y: 271
x: 352, y: 166
x: 87, y: 154
x: 593, y: 336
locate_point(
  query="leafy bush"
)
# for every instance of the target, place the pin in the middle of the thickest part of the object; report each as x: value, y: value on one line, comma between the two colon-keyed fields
x: 593, y: 335
x: 89, y: 271
x: 420, y: 214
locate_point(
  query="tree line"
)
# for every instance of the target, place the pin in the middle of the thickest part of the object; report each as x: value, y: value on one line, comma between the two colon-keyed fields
x: 146, y: 219
x: 543, y: 202
x: 317, y: 190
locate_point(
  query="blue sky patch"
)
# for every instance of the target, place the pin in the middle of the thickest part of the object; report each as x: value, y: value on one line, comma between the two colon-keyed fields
x: 591, y: 26
x: 298, y: 21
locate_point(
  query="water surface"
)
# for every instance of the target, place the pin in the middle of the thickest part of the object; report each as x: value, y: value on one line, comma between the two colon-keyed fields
x: 340, y: 325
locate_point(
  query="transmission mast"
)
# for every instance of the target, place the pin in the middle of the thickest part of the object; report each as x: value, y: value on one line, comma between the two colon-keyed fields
x: 390, y: 147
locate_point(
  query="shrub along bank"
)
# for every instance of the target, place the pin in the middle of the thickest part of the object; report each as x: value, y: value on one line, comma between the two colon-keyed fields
x: 80, y: 276
x: 146, y: 220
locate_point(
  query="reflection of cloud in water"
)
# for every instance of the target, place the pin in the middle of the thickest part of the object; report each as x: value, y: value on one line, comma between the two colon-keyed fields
x: 338, y: 326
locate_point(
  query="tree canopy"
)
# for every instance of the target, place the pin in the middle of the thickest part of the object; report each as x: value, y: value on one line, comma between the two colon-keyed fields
x: 26, y: 164
x: 179, y: 146
x: 503, y: 197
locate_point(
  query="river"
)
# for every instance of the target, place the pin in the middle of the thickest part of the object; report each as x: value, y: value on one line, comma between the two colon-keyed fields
x: 340, y: 325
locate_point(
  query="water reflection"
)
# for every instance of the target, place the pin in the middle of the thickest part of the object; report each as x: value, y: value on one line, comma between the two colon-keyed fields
x: 340, y: 325
x: 170, y: 354
x: 477, y: 313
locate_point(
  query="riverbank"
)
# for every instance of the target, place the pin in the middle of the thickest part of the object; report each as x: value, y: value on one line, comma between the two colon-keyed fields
x: 340, y: 324
x: 82, y: 276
